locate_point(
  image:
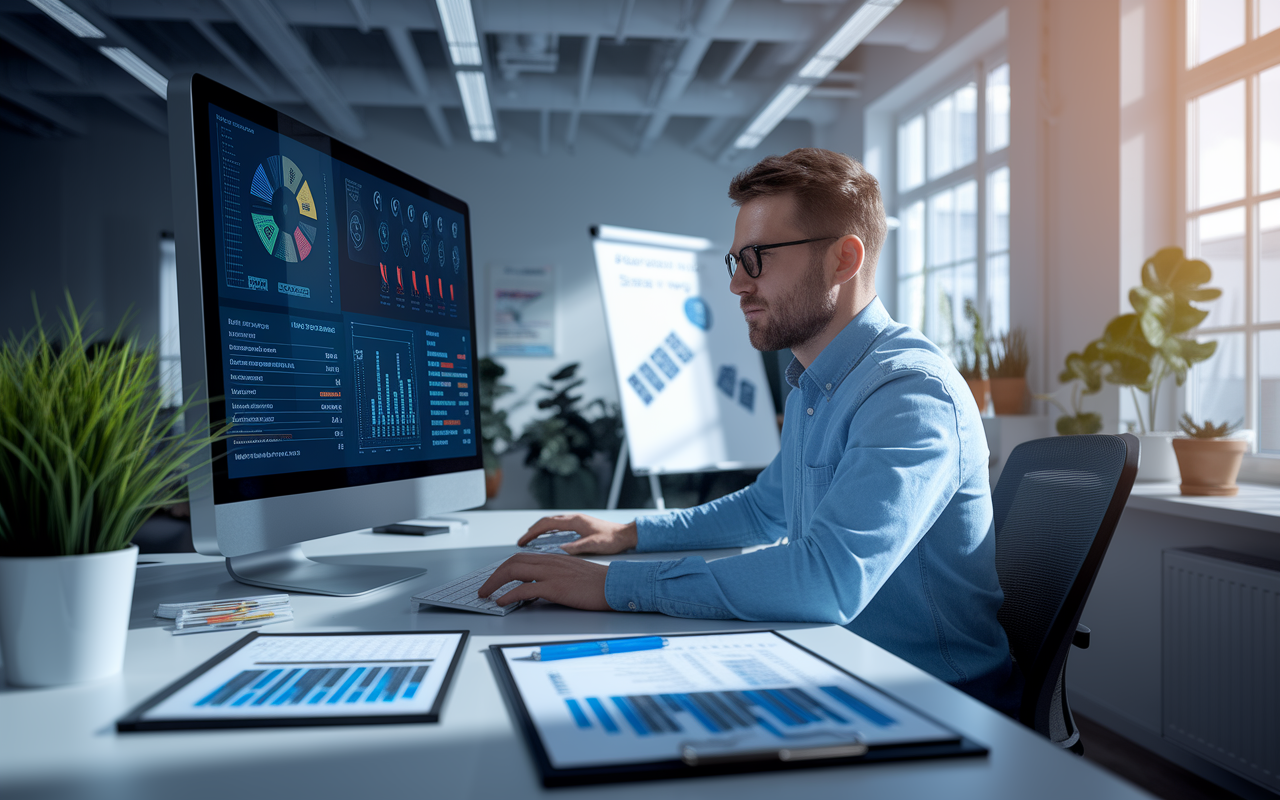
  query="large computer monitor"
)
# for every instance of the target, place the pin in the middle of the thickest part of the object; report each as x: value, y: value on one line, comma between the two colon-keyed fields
x: 326, y: 308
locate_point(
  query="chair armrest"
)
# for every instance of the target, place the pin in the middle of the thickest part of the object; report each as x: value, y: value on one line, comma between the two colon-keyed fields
x: 1081, y: 637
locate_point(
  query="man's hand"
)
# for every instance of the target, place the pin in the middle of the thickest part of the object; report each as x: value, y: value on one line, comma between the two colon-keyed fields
x: 598, y: 536
x: 560, y: 579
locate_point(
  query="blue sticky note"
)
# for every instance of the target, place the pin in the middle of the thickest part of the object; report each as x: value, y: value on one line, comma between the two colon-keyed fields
x: 640, y: 389
x: 747, y: 395
x: 728, y: 380
x: 652, y: 376
x: 665, y: 363
x: 678, y: 347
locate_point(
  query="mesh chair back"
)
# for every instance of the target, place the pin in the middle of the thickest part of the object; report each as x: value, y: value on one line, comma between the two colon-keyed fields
x: 1056, y: 506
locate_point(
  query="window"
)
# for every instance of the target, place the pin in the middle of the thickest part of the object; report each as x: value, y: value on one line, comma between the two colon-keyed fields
x: 170, y: 349
x: 953, y: 205
x: 1231, y: 214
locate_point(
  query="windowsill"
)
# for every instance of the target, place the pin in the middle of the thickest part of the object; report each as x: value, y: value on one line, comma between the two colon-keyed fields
x: 1256, y: 506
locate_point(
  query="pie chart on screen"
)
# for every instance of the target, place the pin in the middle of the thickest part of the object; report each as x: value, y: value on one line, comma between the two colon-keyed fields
x: 284, y: 210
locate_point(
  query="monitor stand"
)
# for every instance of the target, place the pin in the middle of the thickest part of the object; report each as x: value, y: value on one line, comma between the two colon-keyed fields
x: 287, y: 569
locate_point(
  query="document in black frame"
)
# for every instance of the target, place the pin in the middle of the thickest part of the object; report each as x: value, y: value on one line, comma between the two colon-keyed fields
x: 294, y: 679
x: 706, y: 704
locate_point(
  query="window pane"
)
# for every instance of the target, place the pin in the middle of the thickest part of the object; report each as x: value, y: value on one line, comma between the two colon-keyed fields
x: 940, y: 309
x: 998, y: 292
x: 1268, y: 16
x: 966, y: 124
x: 911, y: 153
x: 967, y: 220
x: 1269, y: 130
x: 1219, y: 382
x: 942, y: 137
x: 942, y: 228
x: 1269, y: 261
x: 1269, y: 396
x: 1218, y: 119
x: 911, y: 240
x: 911, y: 302
x: 1218, y: 239
x: 1215, y: 26
x: 998, y: 217
x: 998, y: 108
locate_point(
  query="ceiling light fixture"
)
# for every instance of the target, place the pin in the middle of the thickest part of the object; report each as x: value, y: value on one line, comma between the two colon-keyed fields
x: 60, y: 13
x: 475, y: 103
x: 130, y: 63
x: 460, y: 32
x: 849, y: 35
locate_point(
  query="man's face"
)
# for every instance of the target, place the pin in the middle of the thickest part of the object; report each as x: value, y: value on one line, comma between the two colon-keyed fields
x: 791, y: 302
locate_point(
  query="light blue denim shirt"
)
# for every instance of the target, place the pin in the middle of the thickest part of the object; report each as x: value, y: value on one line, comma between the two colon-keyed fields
x: 881, y: 506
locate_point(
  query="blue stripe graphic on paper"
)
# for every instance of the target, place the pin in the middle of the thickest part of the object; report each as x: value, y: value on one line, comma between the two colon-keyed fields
x: 665, y: 363
x: 415, y: 682
x: 651, y: 376
x: 579, y: 716
x: 382, y: 684
x: 858, y: 707
x: 792, y: 706
x: 630, y: 714
x: 688, y: 704
x: 727, y: 380
x: 678, y: 347
x: 270, y: 677
x: 640, y: 389
x: 605, y: 719
x: 355, y: 676
x: 773, y: 707
x: 243, y: 699
x: 277, y: 686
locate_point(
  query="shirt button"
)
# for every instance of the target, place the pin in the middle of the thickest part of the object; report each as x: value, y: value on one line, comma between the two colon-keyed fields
x: 828, y: 387
x: 631, y: 606
x: 811, y: 412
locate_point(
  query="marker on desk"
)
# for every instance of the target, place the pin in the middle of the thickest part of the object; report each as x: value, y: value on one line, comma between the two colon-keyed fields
x: 555, y: 652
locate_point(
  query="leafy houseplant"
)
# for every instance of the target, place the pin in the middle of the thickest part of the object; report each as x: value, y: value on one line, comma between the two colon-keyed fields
x: 87, y: 454
x: 1208, y: 459
x: 494, y: 430
x: 563, y: 445
x: 1083, y: 371
x: 1009, y: 359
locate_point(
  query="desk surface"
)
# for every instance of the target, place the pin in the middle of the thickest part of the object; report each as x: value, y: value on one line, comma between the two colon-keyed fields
x: 62, y: 742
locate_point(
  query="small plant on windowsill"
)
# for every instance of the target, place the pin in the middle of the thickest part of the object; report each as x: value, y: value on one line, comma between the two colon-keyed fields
x: 1209, y: 457
x: 1009, y: 360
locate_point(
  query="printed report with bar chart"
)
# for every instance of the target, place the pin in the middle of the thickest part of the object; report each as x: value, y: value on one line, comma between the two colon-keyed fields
x: 719, y: 694
x: 310, y: 679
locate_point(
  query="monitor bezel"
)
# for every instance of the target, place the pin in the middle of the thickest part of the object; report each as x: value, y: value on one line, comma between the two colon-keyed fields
x: 204, y: 93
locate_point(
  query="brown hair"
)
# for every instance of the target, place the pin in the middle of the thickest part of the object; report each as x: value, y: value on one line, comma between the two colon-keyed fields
x: 835, y: 195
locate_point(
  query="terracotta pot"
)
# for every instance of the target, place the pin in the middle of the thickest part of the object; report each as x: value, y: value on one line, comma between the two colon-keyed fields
x: 1009, y: 395
x: 492, y: 483
x: 979, y: 387
x: 1209, y: 466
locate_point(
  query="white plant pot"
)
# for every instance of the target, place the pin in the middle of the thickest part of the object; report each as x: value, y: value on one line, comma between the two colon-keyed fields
x: 64, y: 619
x: 1156, y: 460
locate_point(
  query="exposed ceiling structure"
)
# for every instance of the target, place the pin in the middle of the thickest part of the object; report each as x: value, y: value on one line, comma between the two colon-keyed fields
x: 728, y: 70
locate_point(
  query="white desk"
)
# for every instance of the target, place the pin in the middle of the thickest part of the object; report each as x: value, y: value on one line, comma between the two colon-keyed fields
x: 61, y: 743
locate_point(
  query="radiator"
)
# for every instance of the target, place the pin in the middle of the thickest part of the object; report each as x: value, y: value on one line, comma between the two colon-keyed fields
x: 1221, y: 659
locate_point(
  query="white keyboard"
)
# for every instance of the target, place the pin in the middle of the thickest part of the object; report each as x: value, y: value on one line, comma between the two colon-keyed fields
x: 460, y: 592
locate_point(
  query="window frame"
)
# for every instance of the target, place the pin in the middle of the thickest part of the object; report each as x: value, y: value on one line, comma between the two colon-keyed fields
x: 979, y: 171
x: 1245, y: 63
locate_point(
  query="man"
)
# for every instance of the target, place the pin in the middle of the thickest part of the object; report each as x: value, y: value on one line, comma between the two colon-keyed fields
x: 879, y: 497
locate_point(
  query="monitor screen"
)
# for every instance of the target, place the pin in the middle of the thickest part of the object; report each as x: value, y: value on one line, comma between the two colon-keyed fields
x: 342, y: 292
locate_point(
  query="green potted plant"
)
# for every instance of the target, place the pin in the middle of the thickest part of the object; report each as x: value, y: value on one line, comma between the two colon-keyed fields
x: 1008, y: 360
x: 1209, y: 458
x: 1083, y: 372
x: 87, y: 454
x: 563, y: 445
x: 494, y: 430
x: 969, y: 355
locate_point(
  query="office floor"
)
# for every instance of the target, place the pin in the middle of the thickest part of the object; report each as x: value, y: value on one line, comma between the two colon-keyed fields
x: 1143, y: 768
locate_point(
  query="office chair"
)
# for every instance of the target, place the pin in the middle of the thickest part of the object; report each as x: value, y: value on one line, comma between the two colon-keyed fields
x: 1056, y: 506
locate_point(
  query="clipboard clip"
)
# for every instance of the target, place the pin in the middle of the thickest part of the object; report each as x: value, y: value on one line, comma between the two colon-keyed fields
x: 690, y: 755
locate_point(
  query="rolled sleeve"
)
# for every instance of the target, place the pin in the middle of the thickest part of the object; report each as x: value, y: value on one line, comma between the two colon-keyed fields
x: 629, y: 585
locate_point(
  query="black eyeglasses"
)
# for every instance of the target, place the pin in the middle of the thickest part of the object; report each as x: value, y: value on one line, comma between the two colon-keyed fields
x: 751, y: 263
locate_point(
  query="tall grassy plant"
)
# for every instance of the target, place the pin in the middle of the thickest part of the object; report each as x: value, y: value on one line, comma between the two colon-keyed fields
x: 87, y: 452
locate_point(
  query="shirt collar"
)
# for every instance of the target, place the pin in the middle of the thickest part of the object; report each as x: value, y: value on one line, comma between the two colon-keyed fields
x: 844, y: 352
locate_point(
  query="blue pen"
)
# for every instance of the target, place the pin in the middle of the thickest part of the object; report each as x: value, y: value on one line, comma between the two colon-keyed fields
x: 556, y: 652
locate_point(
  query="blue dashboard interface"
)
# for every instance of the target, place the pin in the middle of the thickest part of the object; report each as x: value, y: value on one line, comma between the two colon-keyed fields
x: 344, y: 311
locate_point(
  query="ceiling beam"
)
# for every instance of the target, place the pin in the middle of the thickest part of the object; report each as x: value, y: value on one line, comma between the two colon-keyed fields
x: 627, y: 7
x: 411, y: 63
x: 684, y: 70
x: 271, y: 31
x: 361, y: 14
x: 585, y: 71
x: 228, y: 52
x: 740, y: 52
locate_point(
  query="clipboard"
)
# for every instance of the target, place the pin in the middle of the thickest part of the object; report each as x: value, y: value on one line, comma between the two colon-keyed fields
x: 707, y: 704
x: 296, y: 679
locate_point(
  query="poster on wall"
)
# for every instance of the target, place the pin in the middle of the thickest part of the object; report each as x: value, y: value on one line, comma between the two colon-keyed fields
x: 522, y: 311
x: 693, y: 391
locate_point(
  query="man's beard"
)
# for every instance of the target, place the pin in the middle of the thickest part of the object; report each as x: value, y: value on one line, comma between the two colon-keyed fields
x: 796, y: 318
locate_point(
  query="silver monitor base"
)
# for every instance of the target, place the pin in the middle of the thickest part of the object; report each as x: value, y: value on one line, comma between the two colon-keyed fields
x: 287, y: 569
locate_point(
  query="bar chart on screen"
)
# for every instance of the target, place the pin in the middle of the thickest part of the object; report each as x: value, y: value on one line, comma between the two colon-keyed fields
x: 387, y: 394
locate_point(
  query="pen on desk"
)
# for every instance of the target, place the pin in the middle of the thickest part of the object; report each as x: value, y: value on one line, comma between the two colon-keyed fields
x: 556, y: 652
